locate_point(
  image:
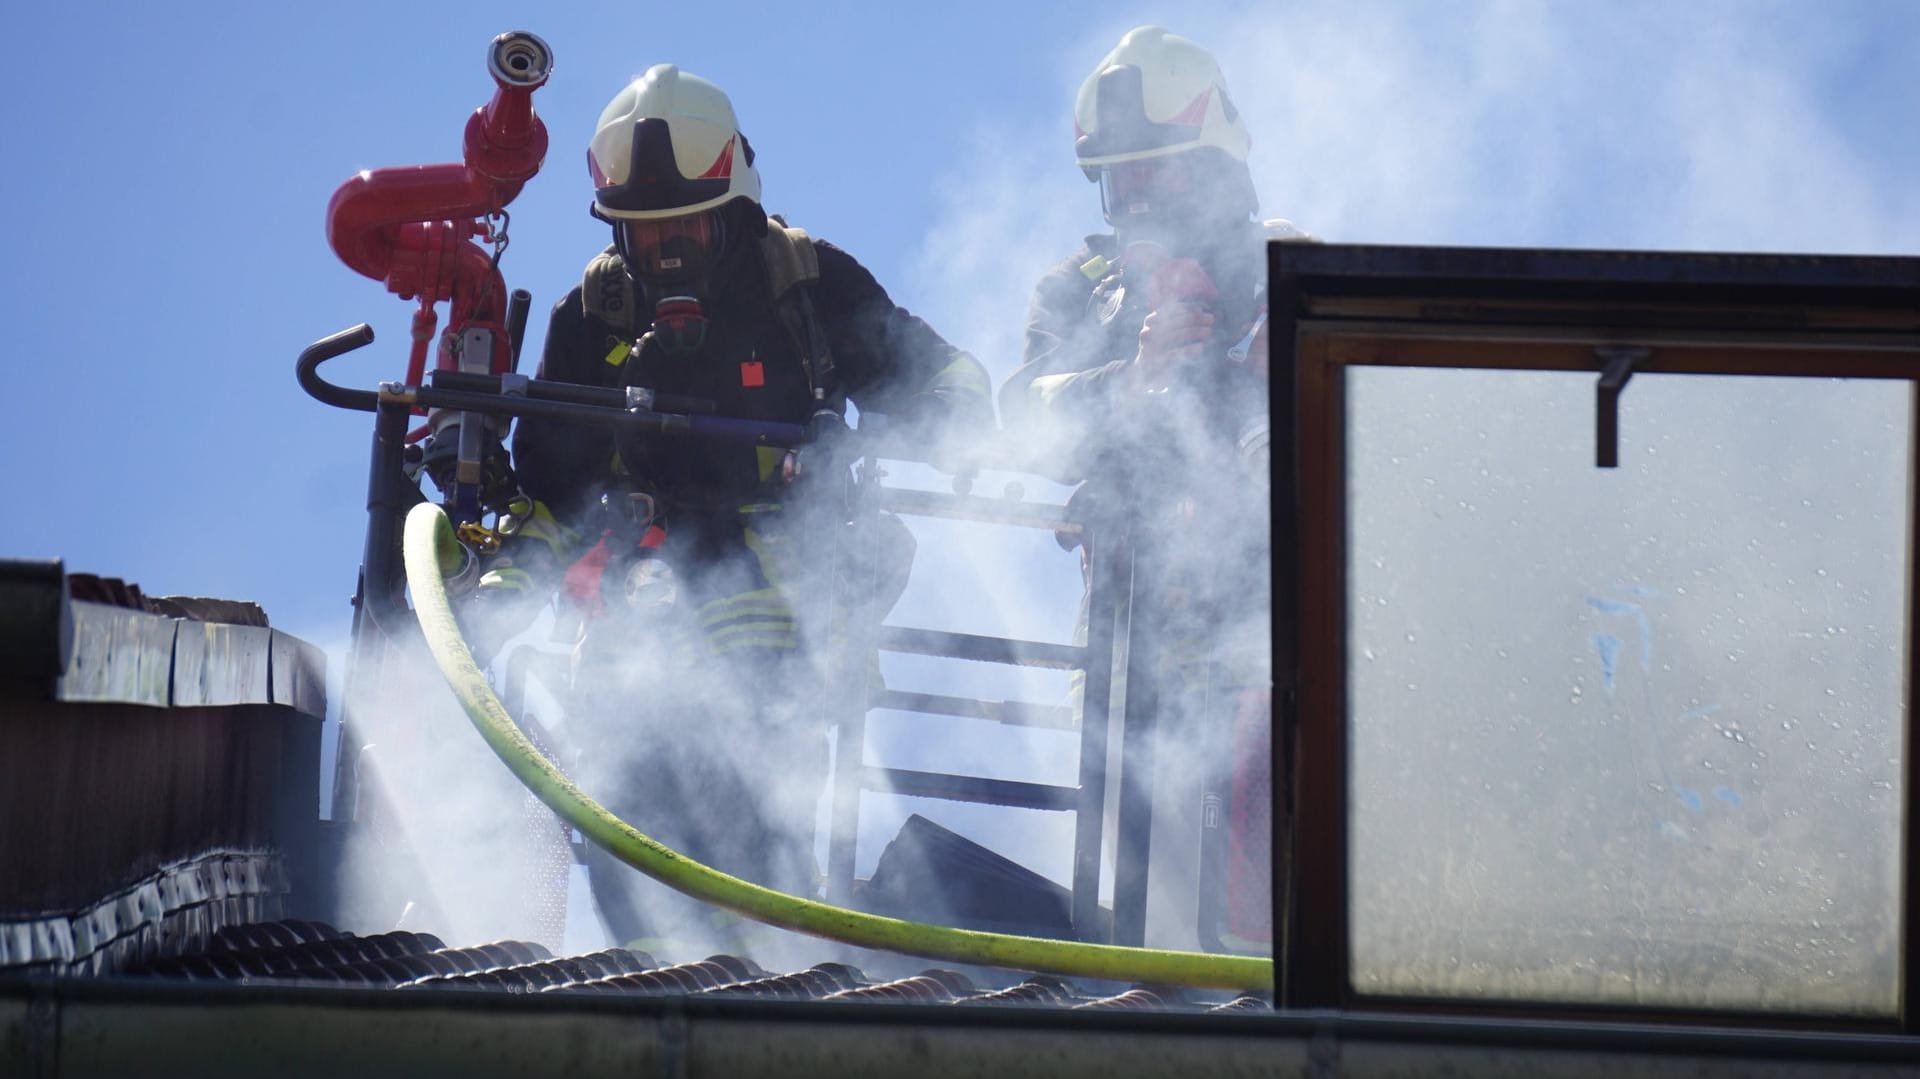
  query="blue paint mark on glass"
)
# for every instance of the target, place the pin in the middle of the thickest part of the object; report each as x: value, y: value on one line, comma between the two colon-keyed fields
x: 1642, y: 730
x: 1609, y: 647
x: 1639, y: 616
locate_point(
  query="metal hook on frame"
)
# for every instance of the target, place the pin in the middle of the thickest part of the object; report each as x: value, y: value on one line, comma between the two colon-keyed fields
x: 1616, y: 367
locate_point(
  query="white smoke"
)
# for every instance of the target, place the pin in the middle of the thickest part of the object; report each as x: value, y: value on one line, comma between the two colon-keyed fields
x: 1522, y: 124
x: 1704, y: 127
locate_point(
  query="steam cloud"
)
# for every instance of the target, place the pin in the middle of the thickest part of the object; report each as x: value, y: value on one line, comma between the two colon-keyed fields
x: 1635, y: 126
x: 1494, y: 123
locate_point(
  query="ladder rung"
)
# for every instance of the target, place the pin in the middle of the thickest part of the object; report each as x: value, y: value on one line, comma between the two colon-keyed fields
x: 1014, y: 713
x: 999, y: 792
x: 933, y: 642
x: 975, y: 508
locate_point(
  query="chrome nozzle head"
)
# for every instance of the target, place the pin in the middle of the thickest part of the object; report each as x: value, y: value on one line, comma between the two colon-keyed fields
x: 518, y: 58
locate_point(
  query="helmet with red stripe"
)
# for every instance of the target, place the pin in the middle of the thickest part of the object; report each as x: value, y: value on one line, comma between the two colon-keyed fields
x: 1154, y: 125
x: 670, y: 171
x: 667, y: 146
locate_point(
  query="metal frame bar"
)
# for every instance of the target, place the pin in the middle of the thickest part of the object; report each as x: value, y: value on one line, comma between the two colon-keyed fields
x: 982, y: 649
x: 1134, y: 854
x: 1909, y: 1002
x: 1011, y: 713
x: 848, y: 689
x: 977, y: 789
x: 975, y: 508
x: 1110, y: 558
x: 121, y: 1022
x: 1309, y: 358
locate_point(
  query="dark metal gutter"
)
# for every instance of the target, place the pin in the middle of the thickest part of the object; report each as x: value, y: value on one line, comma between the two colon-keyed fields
x: 94, y: 1027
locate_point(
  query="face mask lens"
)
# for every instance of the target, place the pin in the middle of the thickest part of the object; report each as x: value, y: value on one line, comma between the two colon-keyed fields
x: 1134, y: 189
x: 671, y: 247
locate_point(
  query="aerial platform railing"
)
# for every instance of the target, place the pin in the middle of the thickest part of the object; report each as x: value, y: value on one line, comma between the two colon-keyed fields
x: 1111, y: 568
x: 380, y: 610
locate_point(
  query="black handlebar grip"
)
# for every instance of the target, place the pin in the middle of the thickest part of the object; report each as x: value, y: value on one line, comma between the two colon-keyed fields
x: 307, y: 370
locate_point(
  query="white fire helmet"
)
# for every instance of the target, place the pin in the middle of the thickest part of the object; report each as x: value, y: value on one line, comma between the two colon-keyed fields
x: 666, y: 146
x: 1155, y: 94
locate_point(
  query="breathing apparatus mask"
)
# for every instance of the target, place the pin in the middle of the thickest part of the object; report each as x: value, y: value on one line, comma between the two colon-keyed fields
x: 1180, y: 201
x: 673, y: 259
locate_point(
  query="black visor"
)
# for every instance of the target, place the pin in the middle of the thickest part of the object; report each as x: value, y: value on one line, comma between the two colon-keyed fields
x: 653, y: 176
x: 1120, y: 124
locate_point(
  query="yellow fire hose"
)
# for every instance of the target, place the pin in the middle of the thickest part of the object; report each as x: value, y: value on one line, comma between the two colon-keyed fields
x: 429, y: 545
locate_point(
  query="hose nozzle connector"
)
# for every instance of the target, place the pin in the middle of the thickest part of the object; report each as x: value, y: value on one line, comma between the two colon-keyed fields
x: 518, y: 58
x: 505, y: 141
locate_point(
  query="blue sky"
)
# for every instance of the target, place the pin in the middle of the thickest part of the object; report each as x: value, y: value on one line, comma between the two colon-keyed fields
x: 170, y: 165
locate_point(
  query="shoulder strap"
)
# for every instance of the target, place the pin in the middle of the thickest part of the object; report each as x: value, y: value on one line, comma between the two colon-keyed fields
x: 793, y: 269
x: 791, y: 257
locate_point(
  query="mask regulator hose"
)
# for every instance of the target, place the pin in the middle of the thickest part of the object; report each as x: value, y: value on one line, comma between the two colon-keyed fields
x: 431, y: 550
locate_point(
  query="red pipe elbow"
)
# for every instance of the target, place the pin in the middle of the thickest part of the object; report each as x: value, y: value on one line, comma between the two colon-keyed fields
x: 367, y: 215
x: 505, y: 142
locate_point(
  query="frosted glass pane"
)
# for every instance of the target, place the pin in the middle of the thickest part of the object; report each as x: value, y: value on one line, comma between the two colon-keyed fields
x: 1628, y: 735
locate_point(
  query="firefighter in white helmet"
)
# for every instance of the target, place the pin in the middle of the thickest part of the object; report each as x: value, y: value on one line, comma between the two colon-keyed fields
x: 1156, y: 128
x: 720, y: 740
x: 1144, y: 375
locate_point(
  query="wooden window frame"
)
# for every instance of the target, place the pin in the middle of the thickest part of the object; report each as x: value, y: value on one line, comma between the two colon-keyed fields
x: 1337, y: 307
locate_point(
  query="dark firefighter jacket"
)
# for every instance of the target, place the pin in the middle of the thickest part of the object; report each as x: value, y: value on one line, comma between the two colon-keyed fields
x: 884, y: 359
x: 1177, y: 462
x: 1083, y: 329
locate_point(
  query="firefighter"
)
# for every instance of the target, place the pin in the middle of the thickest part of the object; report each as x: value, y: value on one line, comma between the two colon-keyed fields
x: 699, y: 664
x: 1157, y: 130
x: 1144, y: 375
